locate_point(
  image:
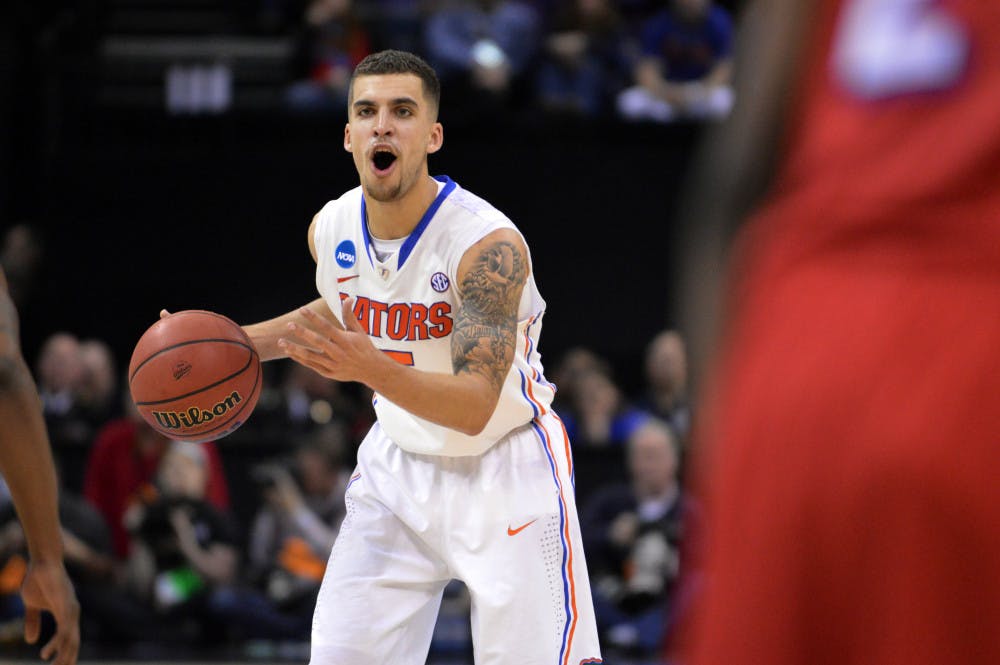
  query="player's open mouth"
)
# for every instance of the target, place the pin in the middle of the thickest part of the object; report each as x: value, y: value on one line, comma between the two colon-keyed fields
x: 382, y: 161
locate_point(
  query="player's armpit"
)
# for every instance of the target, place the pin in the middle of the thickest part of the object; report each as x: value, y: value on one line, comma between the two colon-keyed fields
x: 491, y: 277
x: 311, y: 236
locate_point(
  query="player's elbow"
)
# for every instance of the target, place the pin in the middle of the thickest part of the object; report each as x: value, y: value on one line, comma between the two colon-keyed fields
x: 474, y: 420
x: 473, y: 428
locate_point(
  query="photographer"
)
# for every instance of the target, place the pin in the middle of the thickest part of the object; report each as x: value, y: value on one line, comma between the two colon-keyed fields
x: 290, y: 541
x: 182, y: 546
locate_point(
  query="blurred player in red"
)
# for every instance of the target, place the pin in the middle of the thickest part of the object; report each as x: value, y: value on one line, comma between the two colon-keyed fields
x: 851, y: 449
x: 26, y: 466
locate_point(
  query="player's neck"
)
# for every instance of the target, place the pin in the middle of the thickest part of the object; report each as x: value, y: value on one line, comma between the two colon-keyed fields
x: 390, y: 220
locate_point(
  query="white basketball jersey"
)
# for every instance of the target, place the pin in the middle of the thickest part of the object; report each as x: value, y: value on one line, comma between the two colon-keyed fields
x: 408, y: 303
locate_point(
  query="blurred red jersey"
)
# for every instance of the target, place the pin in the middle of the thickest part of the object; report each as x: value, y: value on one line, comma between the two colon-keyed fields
x: 852, y: 494
x: 895, y: 139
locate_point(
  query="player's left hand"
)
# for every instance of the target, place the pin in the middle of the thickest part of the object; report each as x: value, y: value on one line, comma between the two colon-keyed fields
x: 47, y: 587
x: 344, y: 355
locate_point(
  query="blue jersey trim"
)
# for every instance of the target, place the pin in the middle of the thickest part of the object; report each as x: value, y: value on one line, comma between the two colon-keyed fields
x: 543, y: 436
x: 364, y: 231
x: 411, y: 240
x: 418, y: 230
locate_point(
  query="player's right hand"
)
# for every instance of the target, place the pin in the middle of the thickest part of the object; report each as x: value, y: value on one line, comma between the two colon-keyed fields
x: 164, y: 313
x: 47, y: 587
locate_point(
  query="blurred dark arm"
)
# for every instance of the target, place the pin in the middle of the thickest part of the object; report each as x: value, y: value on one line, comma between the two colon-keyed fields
x: 735, y: 165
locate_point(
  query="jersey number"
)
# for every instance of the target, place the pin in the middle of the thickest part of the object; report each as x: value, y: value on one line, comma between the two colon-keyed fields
x: 892, y: 47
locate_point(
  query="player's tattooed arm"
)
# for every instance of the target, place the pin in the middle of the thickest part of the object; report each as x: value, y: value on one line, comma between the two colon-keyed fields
x: 485, y: 329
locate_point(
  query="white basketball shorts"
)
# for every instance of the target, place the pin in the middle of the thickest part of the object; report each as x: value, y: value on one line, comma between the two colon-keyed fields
x: 504, y: 522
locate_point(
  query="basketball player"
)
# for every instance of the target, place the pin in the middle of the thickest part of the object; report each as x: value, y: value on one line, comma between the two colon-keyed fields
x: 26, y: 466
x: 428, y: 298
x: 855, y: 419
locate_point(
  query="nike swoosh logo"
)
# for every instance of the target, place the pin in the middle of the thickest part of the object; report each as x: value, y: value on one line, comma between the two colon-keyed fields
x: 341, y: 280
x: 514, y: 532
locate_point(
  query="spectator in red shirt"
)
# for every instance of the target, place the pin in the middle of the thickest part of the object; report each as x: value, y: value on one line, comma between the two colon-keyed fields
x: 122, y: 467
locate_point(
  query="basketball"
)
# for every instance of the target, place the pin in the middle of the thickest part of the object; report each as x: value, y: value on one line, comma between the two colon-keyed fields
x: 195, y: 376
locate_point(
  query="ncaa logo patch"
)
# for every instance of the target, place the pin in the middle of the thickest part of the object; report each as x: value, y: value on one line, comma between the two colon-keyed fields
x: 440, y: 282
x: 345, y: 254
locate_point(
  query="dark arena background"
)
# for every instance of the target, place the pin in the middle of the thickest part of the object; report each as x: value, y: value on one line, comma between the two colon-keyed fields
x: 137, y: 197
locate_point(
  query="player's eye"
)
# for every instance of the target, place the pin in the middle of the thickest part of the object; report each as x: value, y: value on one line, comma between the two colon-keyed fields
x: 404, y: 111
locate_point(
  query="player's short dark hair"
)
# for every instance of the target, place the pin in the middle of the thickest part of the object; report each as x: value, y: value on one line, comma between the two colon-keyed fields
x: 392, y: 61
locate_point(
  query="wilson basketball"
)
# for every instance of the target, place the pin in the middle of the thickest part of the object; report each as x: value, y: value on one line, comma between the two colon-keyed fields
x: 195, y: 376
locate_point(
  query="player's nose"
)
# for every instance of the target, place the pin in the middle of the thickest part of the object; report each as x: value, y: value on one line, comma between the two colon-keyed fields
x: 383, y: 123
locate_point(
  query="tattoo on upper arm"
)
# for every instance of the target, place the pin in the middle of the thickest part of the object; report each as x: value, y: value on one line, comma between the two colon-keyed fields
x: 486, y: 324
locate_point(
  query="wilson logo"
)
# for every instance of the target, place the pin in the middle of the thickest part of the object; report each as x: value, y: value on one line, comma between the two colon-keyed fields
x: 194, y: 416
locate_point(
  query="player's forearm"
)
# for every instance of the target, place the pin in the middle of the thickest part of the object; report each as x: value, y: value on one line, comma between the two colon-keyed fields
x: 463, y: 402
x: 265, y: 335
x: 26, y: 460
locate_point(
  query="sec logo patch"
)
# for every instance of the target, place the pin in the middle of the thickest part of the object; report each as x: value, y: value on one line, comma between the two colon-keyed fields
x: 440, y: 282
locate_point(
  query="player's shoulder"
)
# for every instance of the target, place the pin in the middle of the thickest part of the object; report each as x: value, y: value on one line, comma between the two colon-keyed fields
x: 472, y: 209
x: 341, y: 210
x: 347, y: 200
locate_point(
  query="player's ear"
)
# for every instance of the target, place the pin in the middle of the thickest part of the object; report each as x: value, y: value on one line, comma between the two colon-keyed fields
x: 347, y: 137
x: 437, y: 138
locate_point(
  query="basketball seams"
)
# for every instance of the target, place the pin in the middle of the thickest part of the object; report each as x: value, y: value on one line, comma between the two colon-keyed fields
x: 223, y: 335
x: 188, y: 343
x: 250, y: 359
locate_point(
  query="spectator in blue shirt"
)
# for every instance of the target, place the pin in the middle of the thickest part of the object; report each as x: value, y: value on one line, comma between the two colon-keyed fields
x: 685, y: 67
x: 583, y: 63
x: 483, y: 47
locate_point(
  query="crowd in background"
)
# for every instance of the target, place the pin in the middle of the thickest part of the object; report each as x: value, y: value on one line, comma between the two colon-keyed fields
x: 652, y: 60
x: 172, y: 542
x: 226, y: 542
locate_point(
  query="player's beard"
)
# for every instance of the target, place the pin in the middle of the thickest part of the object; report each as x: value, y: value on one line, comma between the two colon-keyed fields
x: 384, y: 192
x: 387, y: 192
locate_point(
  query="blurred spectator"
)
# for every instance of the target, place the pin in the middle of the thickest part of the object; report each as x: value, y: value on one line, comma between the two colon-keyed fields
x: 333, y: 42
x: 583, y: 64
x: 398, y: 25
x: 312, y: 400
x: 633, y: 534
x: 637, y: 12
x: 97, y: 390
x: 182, y: 545
x: 685, y: 68
x: 666, y: 382
x: 600, y: 416
x: 107, y: 613
x: 122, y: 468
x: 482, y: 48
x: 574, y: 363
x: 291, y: 540
x: 13, y: 566
x: 60, y: 370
